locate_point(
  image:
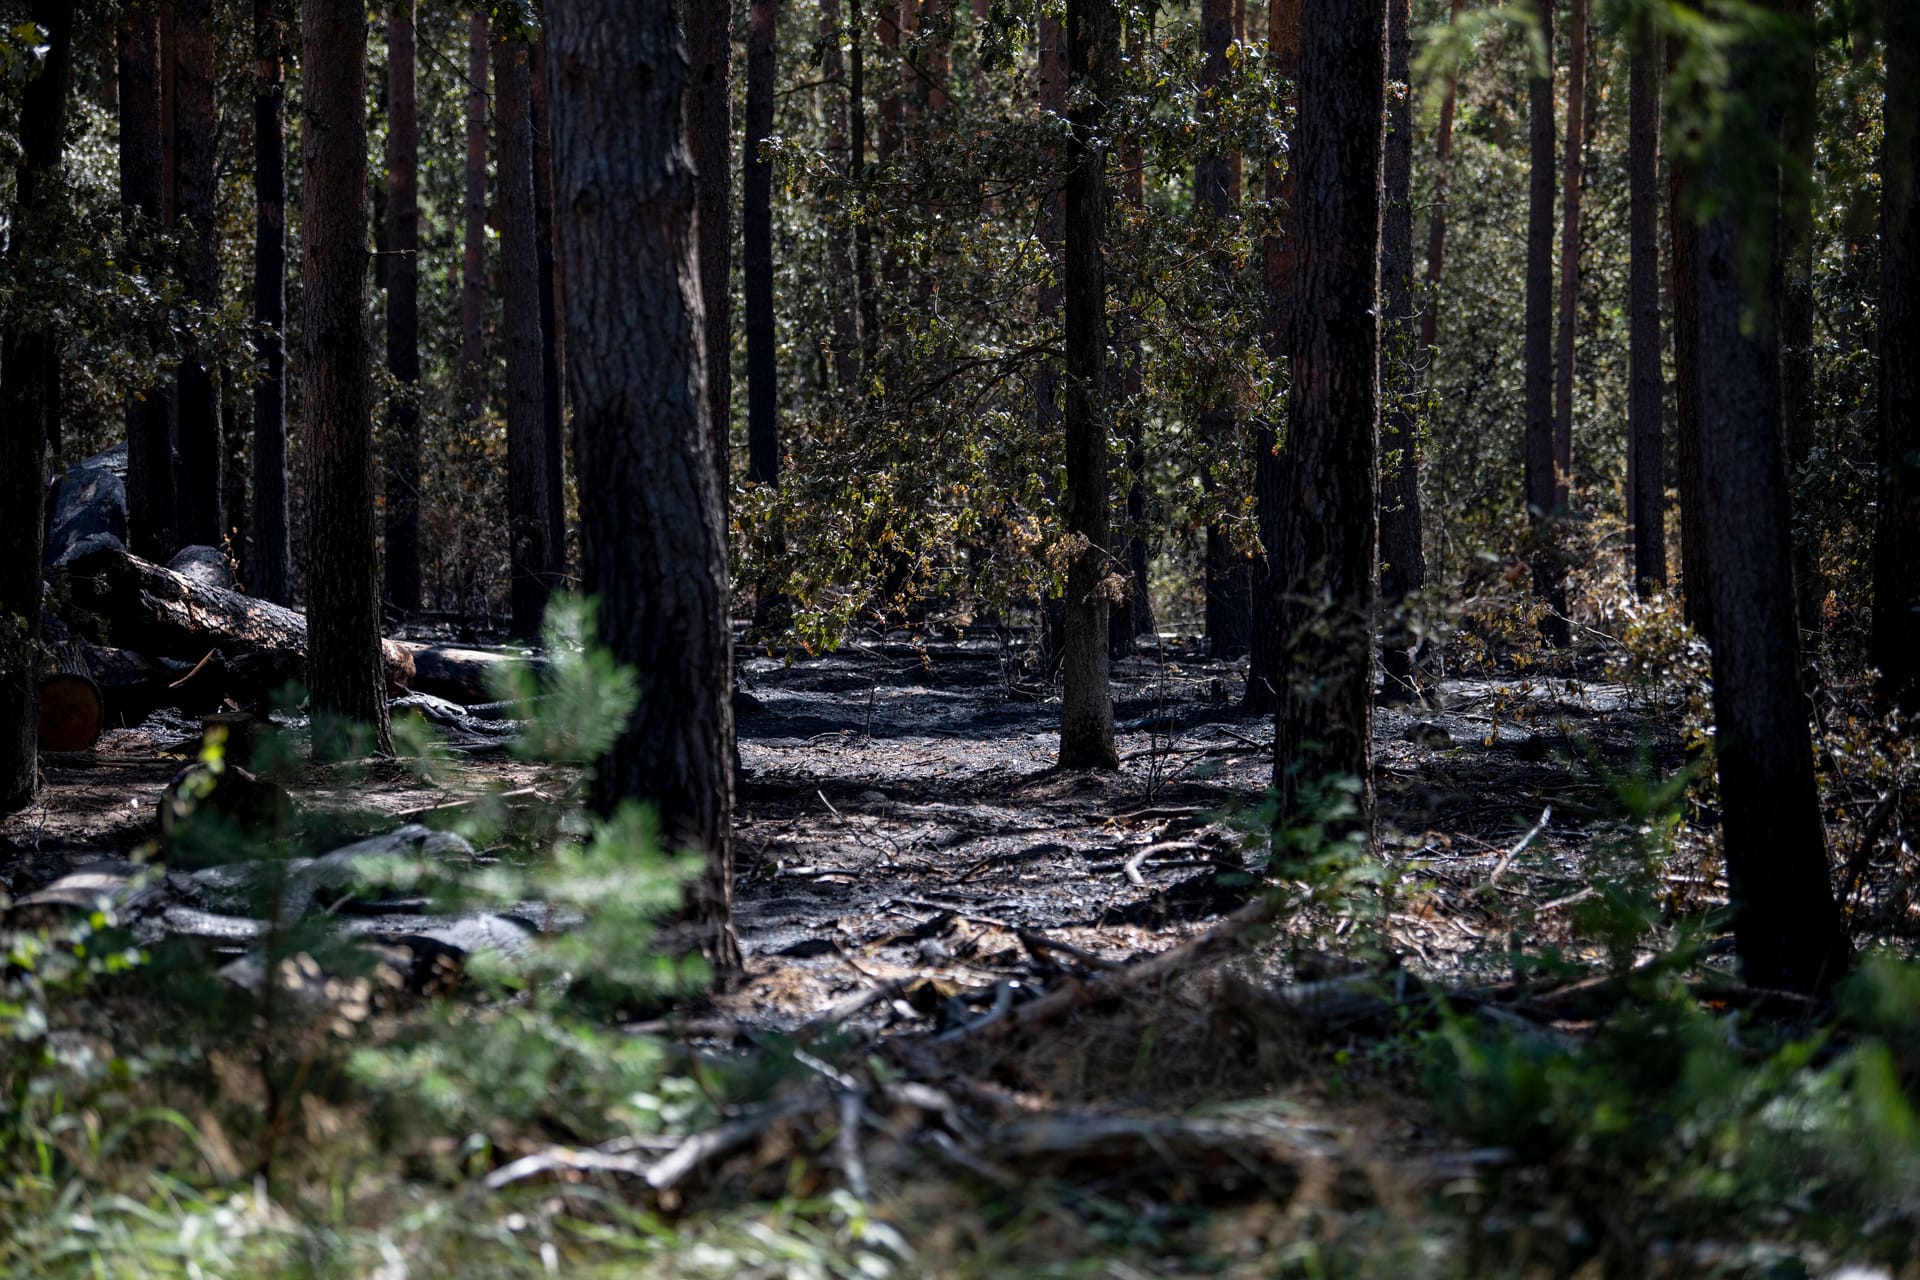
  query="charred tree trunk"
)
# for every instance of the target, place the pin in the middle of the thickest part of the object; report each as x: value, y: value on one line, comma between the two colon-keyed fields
x: 756, y: 220
x: 1403, y: 560
x: 1572, y: 183
x: 1896, y: 546
x: 710, y: 140
x: 530, y: 544
x: 473, y: 261
x: 553, y: 338
x: 1329, y: 519
x: 29, y: 353
x: 403, y: 314
x: 1542, y: 480
x: 1086, y: 705
x: 626, y: 196
x: 346, y: 681
x: 1280, y: 254
x: 270, y: 567
x: 196, y: 190
x: 1216, y: 190
x: 152, y: 515
x: 1437, y: 219
x: 1646, y: 403
x: 1786, y: 928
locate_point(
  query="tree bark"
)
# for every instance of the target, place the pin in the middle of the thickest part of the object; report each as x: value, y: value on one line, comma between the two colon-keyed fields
x: 1280, y: 254
x: 1646, y: 401
x: 1216, y: 190
x: 473, y: 262
x: 653, y: 536
x: 553, y: 338
x: 529, y: 545
x: 270, y: 567
x: 1086, y: 705
x: 1403, y: 560
x: 710, y: 139
x: 1542, y: 480
x: 346, y: 682
x: 196, y: 190
x: 403, y: 313
x: 756, y: 220
x: 1437, y: 219
x: 1896, y: 546
x: 28, y: 353
x: 1787, y: 930
x: 1324, y: 729
x: 152, y: 515
x: 1571, y: 188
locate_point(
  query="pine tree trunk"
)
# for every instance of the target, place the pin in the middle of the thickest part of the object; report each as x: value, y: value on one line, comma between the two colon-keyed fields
x: 1280, y: 254
x: 346, y: 673
x: 710, y: 140
x: 1685, y: 236
x: 1437, y: 219
x: 196, y: 133
x: 1216, y: 190
x: 1403, y: 560
x: 1086, y: 705
x: 473, y: 262
x: 1572, y: 184
x: 1799, y: 132
x: 152, y: 515
x: 270, y: 567
x: 1542, y: 482
x: 529, y: 553
x: 1646, y: 399
x: 1324, y: 730
x: 403, y: 314
x: 1052, y: 233
x: 28, y: 354
x: 1896, y: 546
x: 845, y: 302
x: 553, y: 338
x: 1134, y: 617
x: 626, y: 198
x: 1786, y: 928
x: 756, y: 220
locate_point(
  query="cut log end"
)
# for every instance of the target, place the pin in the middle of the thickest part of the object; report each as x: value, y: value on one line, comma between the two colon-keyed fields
x: 71, y: 713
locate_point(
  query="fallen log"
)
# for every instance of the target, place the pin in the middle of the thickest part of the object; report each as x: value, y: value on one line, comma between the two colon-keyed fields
x: 160, y: 612
x: 466, y: 676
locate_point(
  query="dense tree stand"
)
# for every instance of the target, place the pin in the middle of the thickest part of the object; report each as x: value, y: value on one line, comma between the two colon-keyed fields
x: 346, y: 674
x: 1330, y: 521
x: 653, y: 538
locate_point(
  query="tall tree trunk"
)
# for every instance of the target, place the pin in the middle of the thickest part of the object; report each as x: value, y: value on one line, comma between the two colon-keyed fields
x: 1685, y: 237
x: 626, y: 197
x: 840, y: 274
x: 403, y: 314
x: 1280, y: 254
x: 1799, y: 131
x: 1896, y: 546
x: 553, y: 338
x: 1542, y: 481
x: 152, y: 515
x: 270, y: 567
x: 346, y: 672
x: 196, y: 120
x: 473, y: 261
x: 1572, y: 183
x: 1403, y: 559
x: 1786, y: 928
x: 1086, y: 704
x: 1052, y: 231
x: 1216, y: 190
x: 866, y: 303
x: 530, y: 546
x: 1324, y: 729
x: 756, y: 219
x: 710, y: 140
x: 1437, y: 218
x: 28, y: 354
x: 1646, y: 399
x: 1133, y: 618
